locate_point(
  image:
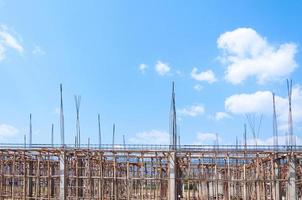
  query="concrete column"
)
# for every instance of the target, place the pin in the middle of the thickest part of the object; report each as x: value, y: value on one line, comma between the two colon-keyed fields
x: 257, y: 178
x: 229, y: 179
x: 291, y: 183
x: 80, y: 173
x: 244, y: 182
x: 52, y: 182
x: 62, y: 176
x: 204, y: 184
x: 277, y: 182
x: 172, y: 177
x: 30, y: 179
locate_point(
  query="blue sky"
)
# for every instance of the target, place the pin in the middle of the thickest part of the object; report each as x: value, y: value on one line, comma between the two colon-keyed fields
x: 122, y: 56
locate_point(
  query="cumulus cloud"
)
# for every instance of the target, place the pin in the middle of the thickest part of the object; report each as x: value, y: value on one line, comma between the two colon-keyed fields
x: 221, y: 116
x: 192, y: 111
x: 258, y: 102
x: 7, y: 131
x: 162, y: 68
x: 8, y: 41
x: 248, y: 54
x: 207, y: 75
x: 150, y: 137
x: 261, y: 102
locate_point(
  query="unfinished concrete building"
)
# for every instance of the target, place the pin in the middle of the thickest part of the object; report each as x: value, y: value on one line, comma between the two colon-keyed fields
x: 159, y: 172
x: 151, y: 172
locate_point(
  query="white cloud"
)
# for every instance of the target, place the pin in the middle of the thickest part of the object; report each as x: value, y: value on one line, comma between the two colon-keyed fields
x: 207, y: 75
x: 221, y: 116
x: 248, y: 54
x: 162, y: 68
x: 258, y: 102
x: 207, y: 138
x: 261, y: 102
x: 150, y: 137
x: 142, y: 68
x: 7, y: 131
x: 8, y: 41
x: 38, y: 50
x: 192, y: 111
x: 2, y: 52
x: 198, y: 87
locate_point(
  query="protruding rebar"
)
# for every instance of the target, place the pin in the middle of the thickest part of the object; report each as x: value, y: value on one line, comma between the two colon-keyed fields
x: 30, y: 131
x: 113, y: 136
x: 77, y: 100
x: 24, y: 140
x: 52, y: 135
x: 275, y: 123
x: 100, y: 133
x: 173, y: 124
x: 291, y: 140
x: 62, y: 117
x: 124, y: 141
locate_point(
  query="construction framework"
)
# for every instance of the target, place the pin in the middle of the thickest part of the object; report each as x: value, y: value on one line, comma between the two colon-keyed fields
x: 144, y: 172
x: 159, y: 172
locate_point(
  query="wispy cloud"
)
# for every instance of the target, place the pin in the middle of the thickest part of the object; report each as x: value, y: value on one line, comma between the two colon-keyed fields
x: 282, y: 140
x: 162, y: 68
x: 8, y: 41
x: 38, y: 50
x: 248, y: 54
x: 207, y: 75
x: 192, y: 111
x: 197, y: 87
x: 7, y: 131
x: 207, y: 138
x: 221, y: 115
x: 150, y: 137
x: 56, y: 111
x: 142, y: 68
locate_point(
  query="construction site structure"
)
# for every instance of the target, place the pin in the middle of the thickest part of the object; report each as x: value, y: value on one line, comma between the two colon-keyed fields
x: 159, y: 172
x: 144, y: 172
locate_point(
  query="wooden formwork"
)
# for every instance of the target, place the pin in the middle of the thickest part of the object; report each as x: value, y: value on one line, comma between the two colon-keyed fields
x: 145, y: 174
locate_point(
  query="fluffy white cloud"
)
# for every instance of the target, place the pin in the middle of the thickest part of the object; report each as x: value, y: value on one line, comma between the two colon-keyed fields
x: 248, y: 54
x: 8, y: 41
x: 207, y: 75
x: 221, y: 116
x: 150, y: 137
x: 207, y: 138
x: 162, y: 68
x: 258, y: 102
x: 192, y: 111
x: 7, y: 131
x: 198, y: 87
x: 261, y: 102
